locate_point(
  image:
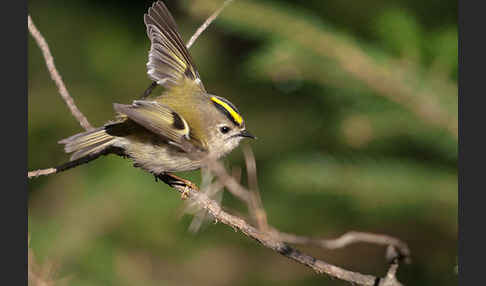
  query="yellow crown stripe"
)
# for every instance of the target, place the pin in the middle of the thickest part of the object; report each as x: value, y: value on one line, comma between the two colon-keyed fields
x: 231, y: 111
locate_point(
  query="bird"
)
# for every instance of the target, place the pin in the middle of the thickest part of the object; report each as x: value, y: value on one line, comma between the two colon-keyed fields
x: 162, y: 134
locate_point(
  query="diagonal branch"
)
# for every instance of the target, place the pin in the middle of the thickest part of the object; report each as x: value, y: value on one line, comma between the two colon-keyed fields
x: 56, y: 77
x: 253, y: 200
x: 270, y: 241
x: 206, y: 23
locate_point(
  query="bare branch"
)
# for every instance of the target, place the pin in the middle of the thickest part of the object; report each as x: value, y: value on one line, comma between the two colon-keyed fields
x: 347, y: 239
x: 41, y: 42
x: 206, y: 23
x: 275, y: 240
x: 41, y: 172
x: 253, y: 200
x: 228, y: 181
x: 391, y: 279
x: 255, y: 204
x: 270, y: 241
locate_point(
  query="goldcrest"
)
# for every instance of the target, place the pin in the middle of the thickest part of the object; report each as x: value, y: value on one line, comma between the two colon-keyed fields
x: 160, y: 134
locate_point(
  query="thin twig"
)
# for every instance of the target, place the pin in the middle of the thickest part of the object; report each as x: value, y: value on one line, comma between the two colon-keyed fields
x: 346, y: 239
x: 41, y: 42
x: 390, y: 278
x: 255, y: 202
x: 206, y: 23
x: 213, y: 190
x: 233, y: 186
x: 41, y: 172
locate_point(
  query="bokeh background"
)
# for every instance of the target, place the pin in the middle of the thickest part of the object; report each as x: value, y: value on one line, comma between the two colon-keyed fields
x: 355, y: 107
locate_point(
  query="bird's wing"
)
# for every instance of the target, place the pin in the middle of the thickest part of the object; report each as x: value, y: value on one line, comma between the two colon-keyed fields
x: 160, y: 120
x: 169, y: 62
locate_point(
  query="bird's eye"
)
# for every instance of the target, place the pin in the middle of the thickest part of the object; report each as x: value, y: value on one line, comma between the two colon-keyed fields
x: 224, y: 129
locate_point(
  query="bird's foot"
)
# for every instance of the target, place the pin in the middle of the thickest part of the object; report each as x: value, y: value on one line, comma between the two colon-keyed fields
x: 173, y: 181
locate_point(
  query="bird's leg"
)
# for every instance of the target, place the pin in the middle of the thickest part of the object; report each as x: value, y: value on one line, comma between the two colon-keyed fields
x: 149, y: 89
x: 173, y: 180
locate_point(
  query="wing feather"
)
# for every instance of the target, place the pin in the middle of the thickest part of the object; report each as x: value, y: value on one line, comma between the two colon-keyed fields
x: 157, y: 118
x: 169, y: 61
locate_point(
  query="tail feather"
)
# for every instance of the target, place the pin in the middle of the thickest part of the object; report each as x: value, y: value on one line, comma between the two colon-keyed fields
x: 87, y: 143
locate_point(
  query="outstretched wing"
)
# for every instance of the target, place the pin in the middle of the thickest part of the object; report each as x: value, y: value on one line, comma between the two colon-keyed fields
x: 169, y: 61
x: 159, y: 119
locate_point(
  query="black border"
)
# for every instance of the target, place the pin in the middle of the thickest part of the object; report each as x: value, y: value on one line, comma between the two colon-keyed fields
x: 471, y: 186
x: 14, y: 143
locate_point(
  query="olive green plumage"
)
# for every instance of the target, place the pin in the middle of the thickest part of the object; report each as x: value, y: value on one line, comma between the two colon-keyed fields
x: 159, y: 134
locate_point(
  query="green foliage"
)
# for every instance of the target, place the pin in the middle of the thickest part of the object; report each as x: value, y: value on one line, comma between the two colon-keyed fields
x: 400, y: 33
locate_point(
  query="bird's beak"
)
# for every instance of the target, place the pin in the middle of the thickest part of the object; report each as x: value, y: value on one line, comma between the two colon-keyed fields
x: 245, y: 133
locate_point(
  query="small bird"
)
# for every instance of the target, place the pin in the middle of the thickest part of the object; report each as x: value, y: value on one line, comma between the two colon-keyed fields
x: 161, y: 135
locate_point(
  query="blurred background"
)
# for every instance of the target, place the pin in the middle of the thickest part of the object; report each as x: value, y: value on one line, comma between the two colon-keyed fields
x: 355, y: 107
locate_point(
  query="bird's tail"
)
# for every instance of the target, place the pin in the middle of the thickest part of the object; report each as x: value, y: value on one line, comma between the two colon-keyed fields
x: 86, y: 147
x: 91, y: 143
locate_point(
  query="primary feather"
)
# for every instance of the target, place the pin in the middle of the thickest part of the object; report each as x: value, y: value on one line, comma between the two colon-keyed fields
x: 169, y: 61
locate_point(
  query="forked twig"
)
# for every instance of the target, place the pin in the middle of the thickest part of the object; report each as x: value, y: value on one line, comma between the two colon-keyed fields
x: 349, y: 238
x: 270, y: 241
x: 255, y: 207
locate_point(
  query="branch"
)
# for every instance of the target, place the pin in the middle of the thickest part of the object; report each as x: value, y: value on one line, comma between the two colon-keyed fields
x: 255, y: 207
x: 268, y: 240
x: 349, y: 238
x: 390, y: 279
x: 41, y: 42
x: 41, y: 172
x: 206, y: 23
x: 255, y: 204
